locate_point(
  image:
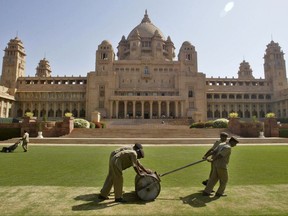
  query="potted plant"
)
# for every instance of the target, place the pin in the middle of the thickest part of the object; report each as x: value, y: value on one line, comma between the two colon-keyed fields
x: 39, y: 128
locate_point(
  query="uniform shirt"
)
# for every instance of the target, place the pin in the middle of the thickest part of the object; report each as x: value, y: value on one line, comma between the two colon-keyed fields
x: 26, y: 137
x: 125, y: 159
x: 216, y: 144
x: 121, y: 149
x: 224, y: 150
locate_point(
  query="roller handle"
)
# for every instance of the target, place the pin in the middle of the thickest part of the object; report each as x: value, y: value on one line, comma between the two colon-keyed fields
x: 180, y: 168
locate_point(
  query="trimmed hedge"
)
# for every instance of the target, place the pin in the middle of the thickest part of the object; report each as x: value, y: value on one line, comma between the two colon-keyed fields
x: 8, y: 133
x: 218, y: 123
x: 92, y: 125
x: 283, y: 132
x: 9, y: 120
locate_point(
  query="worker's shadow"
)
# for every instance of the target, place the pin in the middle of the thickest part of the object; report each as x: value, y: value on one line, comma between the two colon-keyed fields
x: 197, y: 200
x: 93, y: 203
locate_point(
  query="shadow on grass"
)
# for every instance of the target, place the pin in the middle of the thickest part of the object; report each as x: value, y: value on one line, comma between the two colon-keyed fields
x: 93, y: 203
x: 197, y: 200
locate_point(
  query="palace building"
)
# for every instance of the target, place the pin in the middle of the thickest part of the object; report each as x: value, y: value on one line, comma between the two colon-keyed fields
x: 144, y: 81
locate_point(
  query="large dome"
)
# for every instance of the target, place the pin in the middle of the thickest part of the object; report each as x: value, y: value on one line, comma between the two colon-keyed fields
x: 146, y: 29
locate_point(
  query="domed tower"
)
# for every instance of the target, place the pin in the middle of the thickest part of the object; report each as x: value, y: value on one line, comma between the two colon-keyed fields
x: 13, y: 64
x: 104, y: 58
x: 188, y: 57
x: 274, y: 66
x: 122, y: 48
x: 43, y: 69
x: 245, y: 71
x: 145, y: 41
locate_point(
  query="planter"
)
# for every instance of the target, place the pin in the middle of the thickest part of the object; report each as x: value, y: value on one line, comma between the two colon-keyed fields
x: 40, y: 136
x: 261, y: 134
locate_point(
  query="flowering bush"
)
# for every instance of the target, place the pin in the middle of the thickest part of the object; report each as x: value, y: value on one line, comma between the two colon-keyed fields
x: 29, y: 114
x: 81, y: 123
x: 68, y: 114
x: 233, y: 115
x: 220, y: 123
x: 270, y: 115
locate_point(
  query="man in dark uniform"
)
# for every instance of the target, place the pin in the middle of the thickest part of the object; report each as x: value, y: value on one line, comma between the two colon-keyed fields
x: 220, y: 159
x: 223, y: 138
x: 121, y: 159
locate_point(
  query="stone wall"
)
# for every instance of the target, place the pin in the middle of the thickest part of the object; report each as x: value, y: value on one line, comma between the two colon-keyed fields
x: 252, y: 129
x: 49, y: 129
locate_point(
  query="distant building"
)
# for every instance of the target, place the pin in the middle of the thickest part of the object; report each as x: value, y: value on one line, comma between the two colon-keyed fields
x: 144, y: 82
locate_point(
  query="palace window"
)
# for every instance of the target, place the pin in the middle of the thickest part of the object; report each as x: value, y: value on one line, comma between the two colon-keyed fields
x: 190, y: 93
x: 102, y: 91
x: 104, y: 56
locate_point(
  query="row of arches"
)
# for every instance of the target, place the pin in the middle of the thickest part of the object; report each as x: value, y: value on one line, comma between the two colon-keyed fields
x: 59, y: 113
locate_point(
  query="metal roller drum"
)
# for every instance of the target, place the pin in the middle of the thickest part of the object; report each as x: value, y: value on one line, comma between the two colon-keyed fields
x: 147, y: 187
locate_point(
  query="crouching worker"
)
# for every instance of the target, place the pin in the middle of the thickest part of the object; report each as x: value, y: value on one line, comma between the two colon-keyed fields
x: 119, y: 161
x: 220, y: 159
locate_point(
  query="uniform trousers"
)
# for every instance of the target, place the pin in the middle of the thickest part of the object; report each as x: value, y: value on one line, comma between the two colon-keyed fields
x: 218, y: 174
x: 114, y: 178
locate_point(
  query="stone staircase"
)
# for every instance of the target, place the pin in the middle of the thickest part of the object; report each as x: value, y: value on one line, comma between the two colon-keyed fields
x: 152, y: 131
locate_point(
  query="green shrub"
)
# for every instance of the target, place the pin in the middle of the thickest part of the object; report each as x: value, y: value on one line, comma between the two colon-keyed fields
x: 9, y: 120
x: 81, y: 123
x: 103, y: 124
x: 220, y: 123
x: 209, y: 124
x: 283, y: 120
x: 198, y: 125
x: 92, y: 125
x: 283, y: 132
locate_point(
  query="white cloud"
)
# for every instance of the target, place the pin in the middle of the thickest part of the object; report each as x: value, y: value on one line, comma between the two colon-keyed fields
x: 228, y: 7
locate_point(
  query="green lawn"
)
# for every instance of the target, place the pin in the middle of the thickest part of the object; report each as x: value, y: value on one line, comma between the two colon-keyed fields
x: 64, y: 181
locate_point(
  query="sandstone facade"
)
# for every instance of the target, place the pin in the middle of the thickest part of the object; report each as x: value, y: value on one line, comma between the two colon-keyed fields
x: 145, y: 81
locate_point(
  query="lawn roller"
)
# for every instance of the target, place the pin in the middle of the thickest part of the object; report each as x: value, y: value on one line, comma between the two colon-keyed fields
x: 148, y: 186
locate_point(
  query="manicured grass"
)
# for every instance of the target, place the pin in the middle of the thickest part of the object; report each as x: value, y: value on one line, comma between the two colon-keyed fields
x: 57, y: 180
x: 88, y: 166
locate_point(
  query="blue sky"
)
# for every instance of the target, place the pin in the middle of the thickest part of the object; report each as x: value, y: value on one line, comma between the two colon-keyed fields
x: 68, y: 32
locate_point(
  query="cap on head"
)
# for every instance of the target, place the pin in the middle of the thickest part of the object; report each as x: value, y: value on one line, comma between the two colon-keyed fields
x: 234, y: 139
x: 138, y: 146
x: 140, y: 153
x: 224, y: 134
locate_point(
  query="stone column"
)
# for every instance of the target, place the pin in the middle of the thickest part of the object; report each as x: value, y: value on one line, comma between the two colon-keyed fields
x: 7, y: 109
x: 281, y: 109
x: 176, y: 109
x: 182, y: 108
x: 125, y: 109
x: 220, y: 109
x: 168, y: 109
x: 2, y: 108
x: 134, y: 109
x: 151, y: 109
x: 117, y: 109
x: 159, y: 109
x: 62, y: 109
x: 78, y: 109
x: 142, y: 109
x: 111, y: 109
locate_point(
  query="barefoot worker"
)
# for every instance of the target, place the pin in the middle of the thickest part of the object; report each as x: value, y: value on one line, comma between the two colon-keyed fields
x: 119, y: 161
